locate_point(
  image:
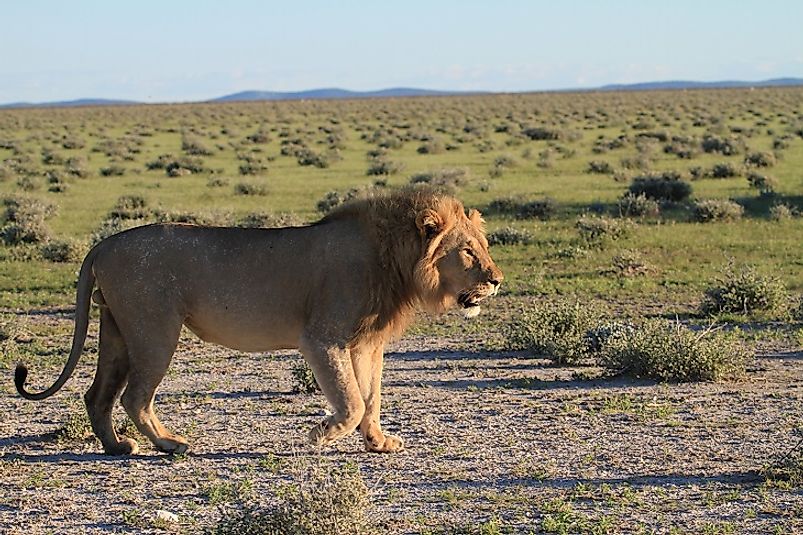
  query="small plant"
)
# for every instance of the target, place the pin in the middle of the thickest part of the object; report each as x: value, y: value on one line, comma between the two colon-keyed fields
x: 23, y: 220
x: 384, y: 166
x: 77, y: 427
x: 765, y: 184
x: 250, y: 188
x: 760, y: 159
x: 631, y: 205
x: 61, y: 251
x: 781, y: 212
x: 193, y: 146
x: 304, y: 380
x: 130, y: 207
x: 723, y: 170
x: 667, y: 351
x: 629, y: 264
x: 322, y: 500
x: 112, y: 170
x: 509, y: 236
x: 447, y: 178
x: 744, y: 291
x: 600, y: 167
x: 598, y: 231
x: 522, y: 209
x: 724, y: 146
x: 717, y: 210
x: 661, y: 188
x: 557, y: 330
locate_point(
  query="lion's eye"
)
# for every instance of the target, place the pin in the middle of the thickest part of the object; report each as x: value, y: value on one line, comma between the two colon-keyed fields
x: 468, y: 252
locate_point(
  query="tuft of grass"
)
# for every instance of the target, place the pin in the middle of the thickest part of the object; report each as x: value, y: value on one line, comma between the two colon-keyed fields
x: 668, y: 351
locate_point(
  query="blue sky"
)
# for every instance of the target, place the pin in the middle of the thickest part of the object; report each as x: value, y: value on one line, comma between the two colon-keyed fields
x: 189, y: 50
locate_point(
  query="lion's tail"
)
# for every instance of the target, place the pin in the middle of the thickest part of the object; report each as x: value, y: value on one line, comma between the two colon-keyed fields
x: 86, y: 281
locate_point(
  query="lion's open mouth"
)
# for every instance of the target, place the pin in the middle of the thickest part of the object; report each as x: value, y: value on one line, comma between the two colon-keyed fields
x: 467, y: 300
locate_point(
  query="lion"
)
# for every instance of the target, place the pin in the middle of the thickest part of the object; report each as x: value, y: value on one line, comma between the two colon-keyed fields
x: 337, y: 290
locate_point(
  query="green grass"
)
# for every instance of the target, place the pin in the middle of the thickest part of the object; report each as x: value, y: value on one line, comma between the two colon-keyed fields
x: 687, y: 256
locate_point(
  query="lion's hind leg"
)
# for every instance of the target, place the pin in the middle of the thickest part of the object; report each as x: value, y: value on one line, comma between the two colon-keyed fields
x: 332, y: 368
x: 110, y: 379
x: 149, y: 359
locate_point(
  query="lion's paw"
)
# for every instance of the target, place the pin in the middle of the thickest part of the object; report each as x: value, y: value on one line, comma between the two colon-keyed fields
x: 390, y: 444
x: 126, y: 446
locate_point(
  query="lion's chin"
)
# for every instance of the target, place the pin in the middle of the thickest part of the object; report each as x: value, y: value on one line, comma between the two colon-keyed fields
x: 471, y: 311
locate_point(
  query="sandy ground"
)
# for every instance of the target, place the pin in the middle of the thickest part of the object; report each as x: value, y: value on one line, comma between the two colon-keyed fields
x: 489, y: 436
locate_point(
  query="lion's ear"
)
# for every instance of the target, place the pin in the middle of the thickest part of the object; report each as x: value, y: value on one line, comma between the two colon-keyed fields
x: 429, y: 223
x: 476, y: 217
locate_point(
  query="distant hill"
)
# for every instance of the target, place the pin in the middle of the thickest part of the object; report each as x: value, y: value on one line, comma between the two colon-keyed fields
x: 70, y: 103
x: 687, y: 84
x: 395, y: 92
x: 335, y: 93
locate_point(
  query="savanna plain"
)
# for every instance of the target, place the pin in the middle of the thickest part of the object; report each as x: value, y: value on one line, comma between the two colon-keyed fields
x: 641, y: 370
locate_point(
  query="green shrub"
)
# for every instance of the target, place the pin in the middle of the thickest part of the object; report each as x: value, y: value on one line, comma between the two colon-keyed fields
x: 322, y: 500
x: 661, y: 188
x: 723, y: 170
x: 309, y: 157
x: 542, y: 133
x: 717, y: 210
x: 509, y: 236
x: 384, y: 166
x: 599, y: 167
x: 522, y: 209
x: 61, y: 251
x: 744, y: 291
x: 130, y: 207
x: 631, y: 205
x: 557, y: 330
x: 765, y: 184
x: 250, y: 188
x: 23, y: 220
x: 667, y: 351
x: 265, y: 220
x: 760, y: 159
x: 725, y: 146
x: 113, y: 170
x: 597, y: 231
x: 303, y: 379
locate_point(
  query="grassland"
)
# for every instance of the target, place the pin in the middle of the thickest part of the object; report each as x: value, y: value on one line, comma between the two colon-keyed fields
x: 577, y: 455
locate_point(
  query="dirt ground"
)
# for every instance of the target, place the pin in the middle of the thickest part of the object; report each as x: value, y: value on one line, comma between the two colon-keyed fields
x: 490, y: 437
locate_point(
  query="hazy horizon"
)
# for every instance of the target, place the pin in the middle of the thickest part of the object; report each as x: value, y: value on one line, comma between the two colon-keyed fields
x: 186, y: 51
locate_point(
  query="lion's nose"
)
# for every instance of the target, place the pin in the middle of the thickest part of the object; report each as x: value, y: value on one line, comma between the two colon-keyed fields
x: 494, y: 282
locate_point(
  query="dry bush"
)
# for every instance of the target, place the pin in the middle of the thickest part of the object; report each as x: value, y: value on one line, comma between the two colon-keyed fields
x: 447, y: 178
x: 510, y: 236
x: 322, y: 499
x: 710, y: 210
x: 765, y: 184
x: 745, y: 291
x: 760, y: 159
x: 599, y: 231
x: 62, y: 251
x: 631, y: 205
x: 599, y: 167
x: 667, y: 351
x: 250, y: 188
x: 23, y: 220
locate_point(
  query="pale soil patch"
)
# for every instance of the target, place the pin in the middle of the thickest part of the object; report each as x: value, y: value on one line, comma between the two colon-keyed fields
x: 489, y: 435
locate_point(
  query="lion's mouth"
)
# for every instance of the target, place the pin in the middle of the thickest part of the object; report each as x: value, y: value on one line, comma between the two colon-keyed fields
x: 467, y: 300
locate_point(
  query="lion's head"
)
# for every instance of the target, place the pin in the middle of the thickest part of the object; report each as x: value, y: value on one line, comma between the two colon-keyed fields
x: 456, y: 267
x: 432, y: 254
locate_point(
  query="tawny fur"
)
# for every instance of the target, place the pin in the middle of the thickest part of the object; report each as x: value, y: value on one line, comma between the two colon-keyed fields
x: 337, y: 290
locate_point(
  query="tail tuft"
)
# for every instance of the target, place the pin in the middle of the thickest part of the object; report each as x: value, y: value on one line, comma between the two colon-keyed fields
x: 20, y: 375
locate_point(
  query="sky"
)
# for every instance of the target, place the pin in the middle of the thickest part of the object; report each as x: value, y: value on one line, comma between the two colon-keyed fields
x: 173, y: 51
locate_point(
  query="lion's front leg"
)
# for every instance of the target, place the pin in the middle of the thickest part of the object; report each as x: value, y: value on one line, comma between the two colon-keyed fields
x: 333, y: 370
x: 368, y: 368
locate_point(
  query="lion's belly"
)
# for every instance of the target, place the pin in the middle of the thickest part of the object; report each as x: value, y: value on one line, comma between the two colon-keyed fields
x: 243, y: 334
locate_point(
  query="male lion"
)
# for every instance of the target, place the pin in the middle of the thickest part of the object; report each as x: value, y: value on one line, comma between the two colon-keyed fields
x: 338, y: 290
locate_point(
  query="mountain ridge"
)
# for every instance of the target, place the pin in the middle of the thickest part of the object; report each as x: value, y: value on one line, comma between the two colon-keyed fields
x: 334, y: 93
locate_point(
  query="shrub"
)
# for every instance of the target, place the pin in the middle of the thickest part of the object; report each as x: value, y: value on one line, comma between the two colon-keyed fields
x: 130, y: 207
x: 556, y: 330
x: 112, y: 170
x: 303, y: 379
x: 631, y: 205
x: 629, y: 264
x: 765, y: 184
x: 509, y: 236
x: 725, y: 146
x: 261, y: 136
x: 252, y: 166
x: 541, y: 133
x: 447, y: 178
x: 760, y: 159
x: 723, y: 170
x: 522, y: 209
x: 661, y: 188
x: 23, y: 220
x: 333, y: 199
x: 194, y: 146
x: 250, y: 188
x: 322, y: 499
x: 307, y: 157
x: 744, y: 292
x: 717, y: 210
x: 505, y: 161
x: 433, y: 146
x: 384, y: 166
x: 114, y: 225
x: 61, y: 251
x: 597, y: 231
x: 599, y: 167
x: 782, y: 211
x: 264, y: 220
x: 666, y: 351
